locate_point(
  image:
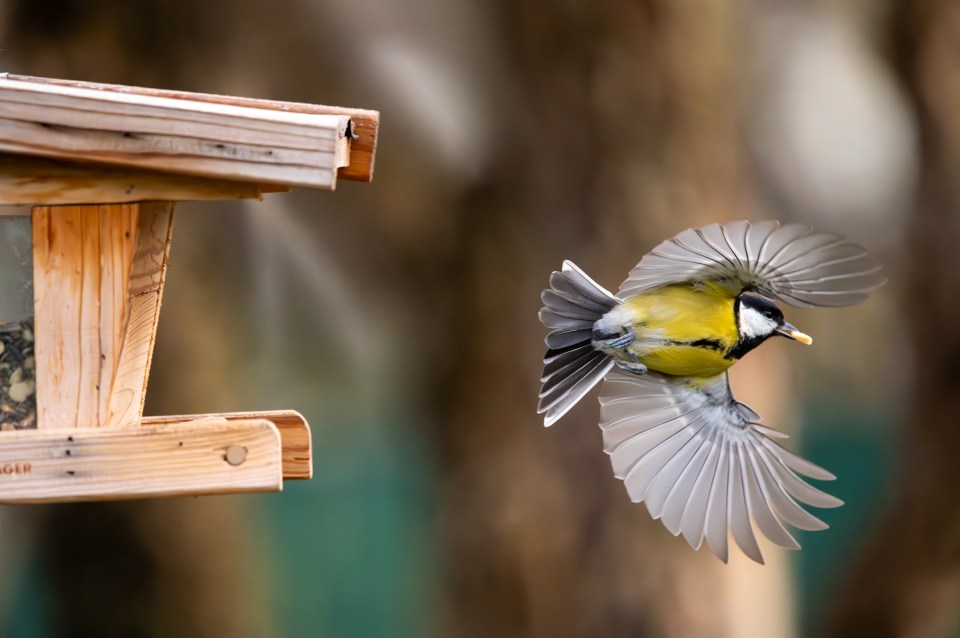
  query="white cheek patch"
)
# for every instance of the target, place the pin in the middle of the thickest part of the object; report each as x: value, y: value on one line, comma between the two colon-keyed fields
x: 754, y: 324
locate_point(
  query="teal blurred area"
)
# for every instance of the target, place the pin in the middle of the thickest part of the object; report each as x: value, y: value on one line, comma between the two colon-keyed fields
x: 353, y: 551
x: 857, y: 446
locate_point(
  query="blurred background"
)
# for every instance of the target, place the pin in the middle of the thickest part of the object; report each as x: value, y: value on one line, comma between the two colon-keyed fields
x: 400, y: 317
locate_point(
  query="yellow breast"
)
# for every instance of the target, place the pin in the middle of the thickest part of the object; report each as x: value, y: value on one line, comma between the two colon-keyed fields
x: 683, y: 330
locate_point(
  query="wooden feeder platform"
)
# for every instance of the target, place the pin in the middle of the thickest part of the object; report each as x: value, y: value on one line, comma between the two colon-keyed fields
x: 99, y: 169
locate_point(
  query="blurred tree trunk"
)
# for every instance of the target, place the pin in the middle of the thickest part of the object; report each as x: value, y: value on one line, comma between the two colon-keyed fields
x: 624, y: 132
x: 907, y: 582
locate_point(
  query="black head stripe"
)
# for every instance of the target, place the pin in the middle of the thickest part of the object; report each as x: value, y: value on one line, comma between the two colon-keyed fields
x: 761, y: 305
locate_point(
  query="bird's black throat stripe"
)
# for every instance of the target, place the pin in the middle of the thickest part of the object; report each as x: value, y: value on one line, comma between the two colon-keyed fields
x: 743, y: 347
x: 708, y: 344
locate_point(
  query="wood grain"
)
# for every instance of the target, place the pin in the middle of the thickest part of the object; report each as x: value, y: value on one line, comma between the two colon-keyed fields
x: 364, y: 124
x: 35, y: 180
x: 294, y: 435
x: 179, y: 459
x: 174, y: 135
x: 81, y: 265
x: 115, y: 255
x: 143, y: 297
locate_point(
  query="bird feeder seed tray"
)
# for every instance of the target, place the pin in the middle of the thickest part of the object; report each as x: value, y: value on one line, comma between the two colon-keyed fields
x: 94, y: 172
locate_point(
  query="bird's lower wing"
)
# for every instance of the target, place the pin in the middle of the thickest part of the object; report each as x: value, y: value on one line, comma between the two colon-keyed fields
x: 703, y: 465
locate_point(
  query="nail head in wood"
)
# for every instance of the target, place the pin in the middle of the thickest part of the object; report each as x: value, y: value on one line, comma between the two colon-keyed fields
x: 236, y: 455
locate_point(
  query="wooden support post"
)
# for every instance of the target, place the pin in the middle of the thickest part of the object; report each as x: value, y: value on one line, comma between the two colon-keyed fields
x: 96, y: 304
x: 81, y: 265
x: 148, y: 273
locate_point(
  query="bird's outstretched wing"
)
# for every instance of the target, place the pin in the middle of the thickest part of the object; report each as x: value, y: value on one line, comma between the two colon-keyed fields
x: 793, y: 263
x: 703, y: 465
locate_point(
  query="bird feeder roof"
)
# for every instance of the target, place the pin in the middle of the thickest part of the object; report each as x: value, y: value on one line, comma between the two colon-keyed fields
x: 70, y: 142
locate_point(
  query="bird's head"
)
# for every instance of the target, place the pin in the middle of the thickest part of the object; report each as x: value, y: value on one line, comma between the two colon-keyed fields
x: 758, y: 319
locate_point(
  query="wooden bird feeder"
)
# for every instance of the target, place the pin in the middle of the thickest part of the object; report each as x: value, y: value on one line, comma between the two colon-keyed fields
x: 99, y: 169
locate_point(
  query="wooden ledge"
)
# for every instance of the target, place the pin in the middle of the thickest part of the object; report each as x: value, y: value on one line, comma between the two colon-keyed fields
x: 294, y: 435
x: 177, y: 459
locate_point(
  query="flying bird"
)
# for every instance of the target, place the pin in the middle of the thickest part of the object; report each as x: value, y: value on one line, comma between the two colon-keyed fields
x: 695, y: 305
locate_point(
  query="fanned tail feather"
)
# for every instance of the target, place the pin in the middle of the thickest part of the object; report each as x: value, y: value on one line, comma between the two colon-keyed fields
x: 571, y: 366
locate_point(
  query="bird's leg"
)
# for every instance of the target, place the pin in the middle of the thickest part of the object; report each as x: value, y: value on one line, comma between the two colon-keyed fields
x: 613, y: 341
x: 610, y: 341
x: 633, y: 365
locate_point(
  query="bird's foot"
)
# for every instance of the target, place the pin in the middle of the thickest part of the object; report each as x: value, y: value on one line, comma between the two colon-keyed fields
x: 633, y: 365
x: 613, y: 342
x: 630, y: 366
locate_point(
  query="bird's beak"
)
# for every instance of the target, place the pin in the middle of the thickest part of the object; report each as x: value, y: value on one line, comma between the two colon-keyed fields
x: 789, y: 331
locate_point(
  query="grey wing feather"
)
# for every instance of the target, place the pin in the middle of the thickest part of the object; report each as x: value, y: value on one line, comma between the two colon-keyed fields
x: 559, y: 339
x: 792, y: 262
x: 694, y: 456
x: 693, y: 519
x: 565, y: 396
x: 715, y: 529
x: 739, y: 516
x: 565, y: 360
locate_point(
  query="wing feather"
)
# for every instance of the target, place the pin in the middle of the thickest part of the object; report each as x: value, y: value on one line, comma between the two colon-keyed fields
x: 557, y: 340
x: 738, y: 515
x: 555, y: 388
x: 695, y: 457
x: 638, y: 460
x: 669, y: 475
x: 784, y: 504
x: 564, y: 362
x: 734, y: 234
x: 800, y: 489
x: 567, y: 307
x: 556, y: 385
x: 796, y: 463
x: 792, y: 263
x: 716, y: 514
x: 759, y: 506
x: 588, y: 286
x: 552, y: 320
x: 694, y: 520
x: 681, y: 492
x: 583, y: 297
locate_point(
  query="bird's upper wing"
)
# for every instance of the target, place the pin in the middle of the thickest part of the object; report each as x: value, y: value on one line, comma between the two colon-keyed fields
x: 701, y: 462
x: 793, y: 263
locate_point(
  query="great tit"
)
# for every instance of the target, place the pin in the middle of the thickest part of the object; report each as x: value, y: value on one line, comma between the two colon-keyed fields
x: 691, y: 308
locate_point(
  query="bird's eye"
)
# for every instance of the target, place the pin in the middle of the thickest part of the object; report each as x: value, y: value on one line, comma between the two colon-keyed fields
x: 768, y: 314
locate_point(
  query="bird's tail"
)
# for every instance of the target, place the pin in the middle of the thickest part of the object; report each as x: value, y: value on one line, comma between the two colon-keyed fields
x: 571, y: 305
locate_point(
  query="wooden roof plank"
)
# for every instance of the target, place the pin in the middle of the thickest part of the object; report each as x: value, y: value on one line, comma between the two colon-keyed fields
x: 364, y: 123
x: 173, y: 135
x: 30, y: 181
